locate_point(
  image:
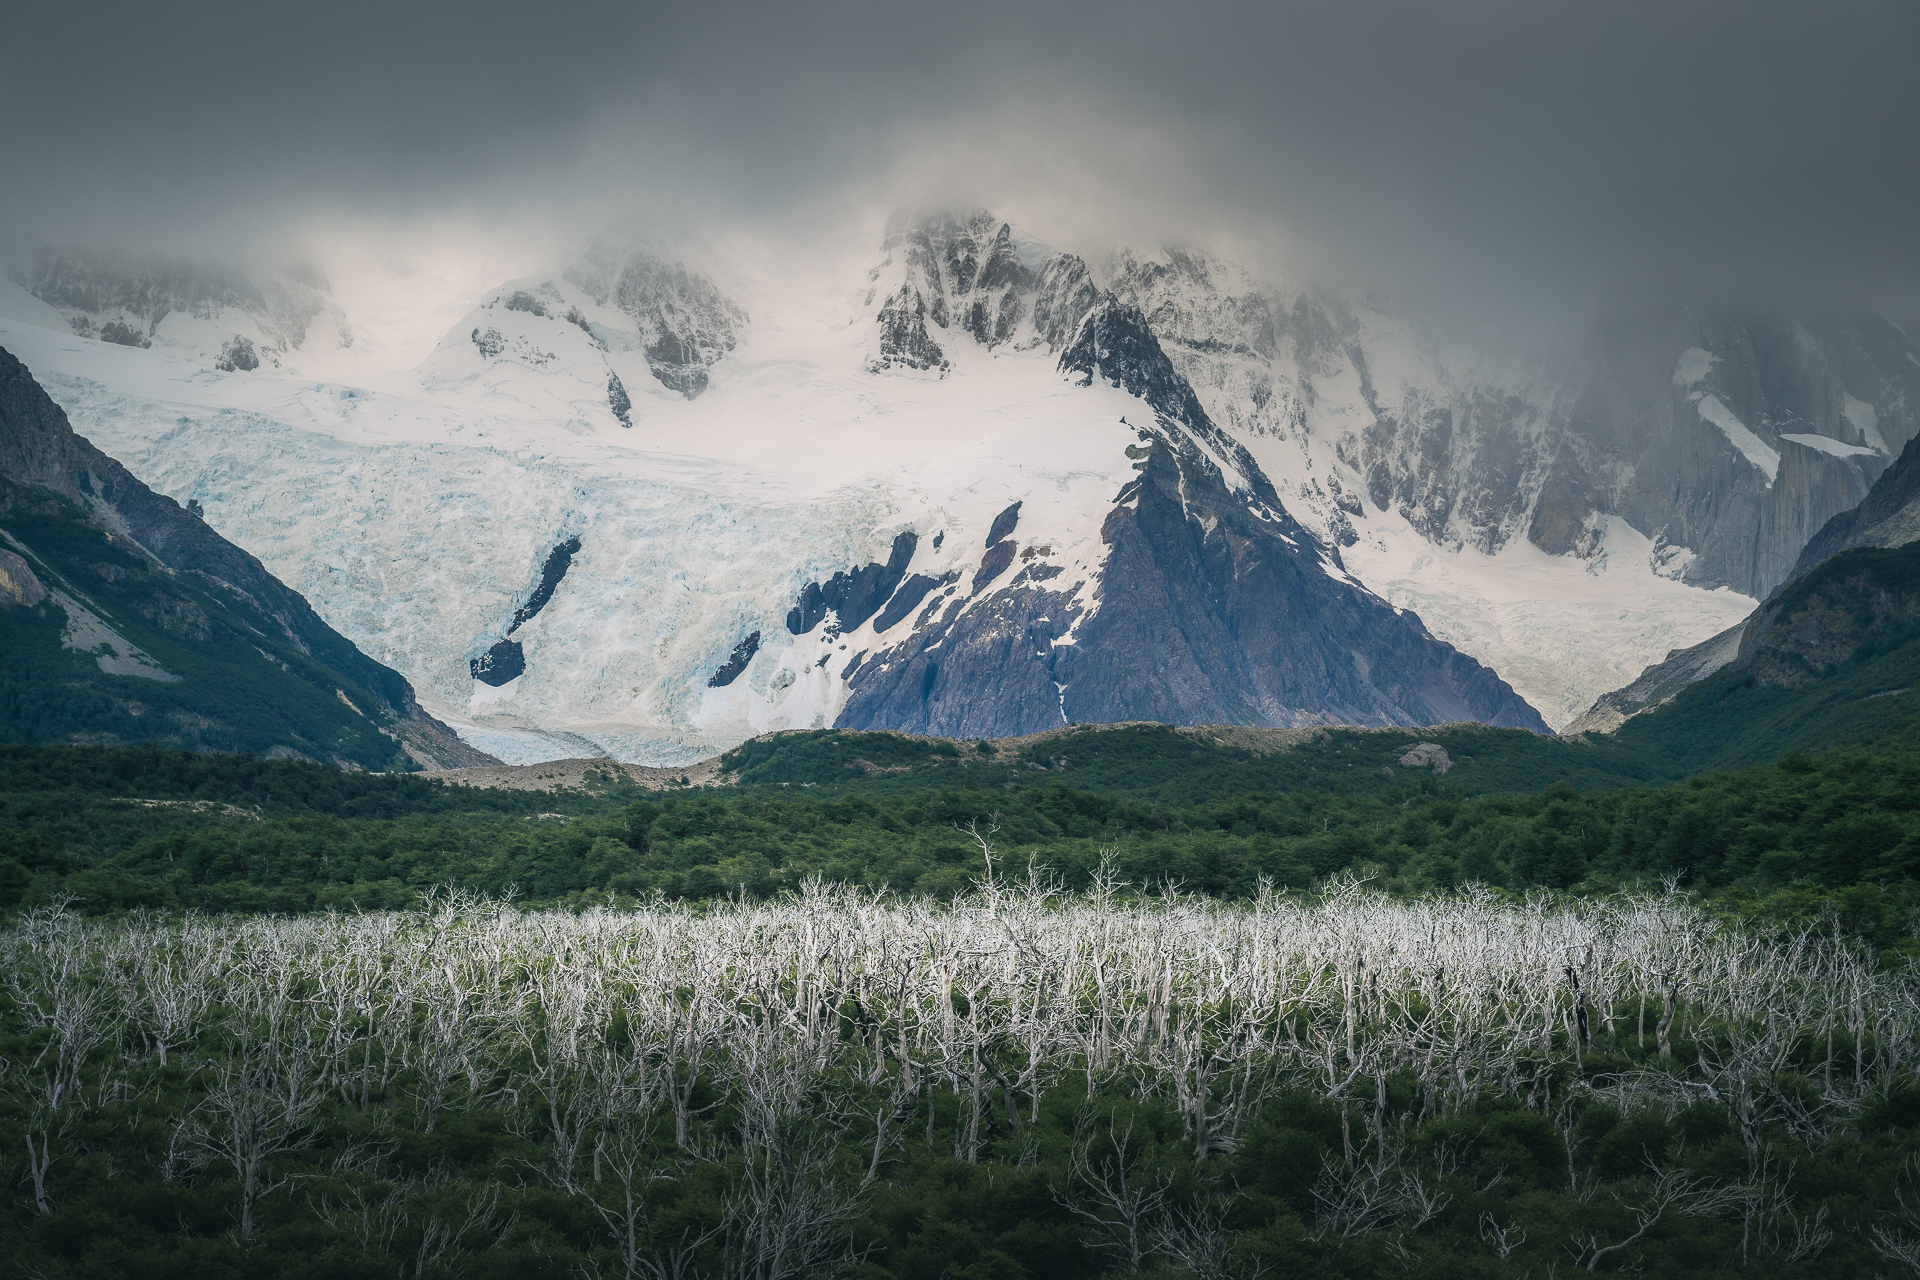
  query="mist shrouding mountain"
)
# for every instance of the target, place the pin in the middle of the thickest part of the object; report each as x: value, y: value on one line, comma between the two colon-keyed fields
x: 1507, y: 159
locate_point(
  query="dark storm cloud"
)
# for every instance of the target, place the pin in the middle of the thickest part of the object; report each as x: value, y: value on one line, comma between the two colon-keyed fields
x: 1509, y: 153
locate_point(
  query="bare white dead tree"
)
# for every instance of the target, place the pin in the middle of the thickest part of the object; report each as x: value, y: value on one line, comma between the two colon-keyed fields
x: 837, y: 1017
x: 1670, y: 1192
x: 1121, y: 1204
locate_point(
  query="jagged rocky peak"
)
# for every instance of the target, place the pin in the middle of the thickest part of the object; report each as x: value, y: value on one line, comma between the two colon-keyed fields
x: 686, y: 322
x: 942, y: 275
x: 1063, y: 294
x: 1209, y: 603
x: 1197, y: 299
x: 1115, y: 344
x: 1350, y: 403
x: 233, y: 319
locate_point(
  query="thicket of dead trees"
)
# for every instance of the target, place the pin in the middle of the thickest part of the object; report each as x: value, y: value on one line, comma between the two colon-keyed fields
x: 1164, y: 1084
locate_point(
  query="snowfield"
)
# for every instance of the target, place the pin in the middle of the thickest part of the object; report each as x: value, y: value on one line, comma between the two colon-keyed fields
x: 410, y: 467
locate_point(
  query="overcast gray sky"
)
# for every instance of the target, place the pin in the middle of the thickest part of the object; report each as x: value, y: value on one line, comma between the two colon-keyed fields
x: 1510, y: 155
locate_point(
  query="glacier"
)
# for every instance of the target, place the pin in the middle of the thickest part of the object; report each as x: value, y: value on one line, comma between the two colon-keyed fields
x: 409, y: 460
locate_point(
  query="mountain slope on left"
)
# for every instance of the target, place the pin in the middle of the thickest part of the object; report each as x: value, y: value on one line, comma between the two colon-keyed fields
x: 124, y: 618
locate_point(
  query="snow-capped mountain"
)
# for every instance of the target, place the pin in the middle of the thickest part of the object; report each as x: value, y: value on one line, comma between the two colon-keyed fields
x: 654, y: 501
x: 209, y: 313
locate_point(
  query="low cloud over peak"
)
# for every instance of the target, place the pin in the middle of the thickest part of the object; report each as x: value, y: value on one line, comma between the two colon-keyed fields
x: 1498, y: 157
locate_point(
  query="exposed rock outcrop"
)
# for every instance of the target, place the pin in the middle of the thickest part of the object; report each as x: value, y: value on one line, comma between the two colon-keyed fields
x: 736, y: 662
x: 855, y: 595
x: 18, y: 584
x: 687, y: 324
x: 128, y: 299
x: 1659, y: 682
x: 962, y: 275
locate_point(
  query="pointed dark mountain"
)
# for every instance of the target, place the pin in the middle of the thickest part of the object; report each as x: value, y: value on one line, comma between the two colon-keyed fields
x: 1215, y: 606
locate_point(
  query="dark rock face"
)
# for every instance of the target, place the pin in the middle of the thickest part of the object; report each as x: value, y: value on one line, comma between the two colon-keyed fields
x: 854, y: 596
x: 617, y: 399
x: 999, y: 556
x: 505, y: 662
x: 984, y: 673
x: 904, y: 340
x: 1114, y: 343
x: 686, y: 323
x: 1214, y: 605
x: 736, y: 662
x: 237, y: 355
x: 906, y: 600
x: 1063, y: 294
x: 1889, y: 516
x: 122, y: 334
x: 1563, y: 518
x: 1211, y: 613
x: 551, y: 573
x: 1003, y: 524
x: 200, y: 590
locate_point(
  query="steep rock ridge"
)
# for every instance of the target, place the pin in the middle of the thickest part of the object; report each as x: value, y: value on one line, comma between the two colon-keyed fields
x: 1212, y: 605
x: 1832, y: 657
x: 1342, y: 405
x: 1889, y: 516
x: 960, y: 274
x: 232, y: 319
x: 1659, y: 683
x: 686, y: 323
x: 505, y: 660
x: 226, y: 656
